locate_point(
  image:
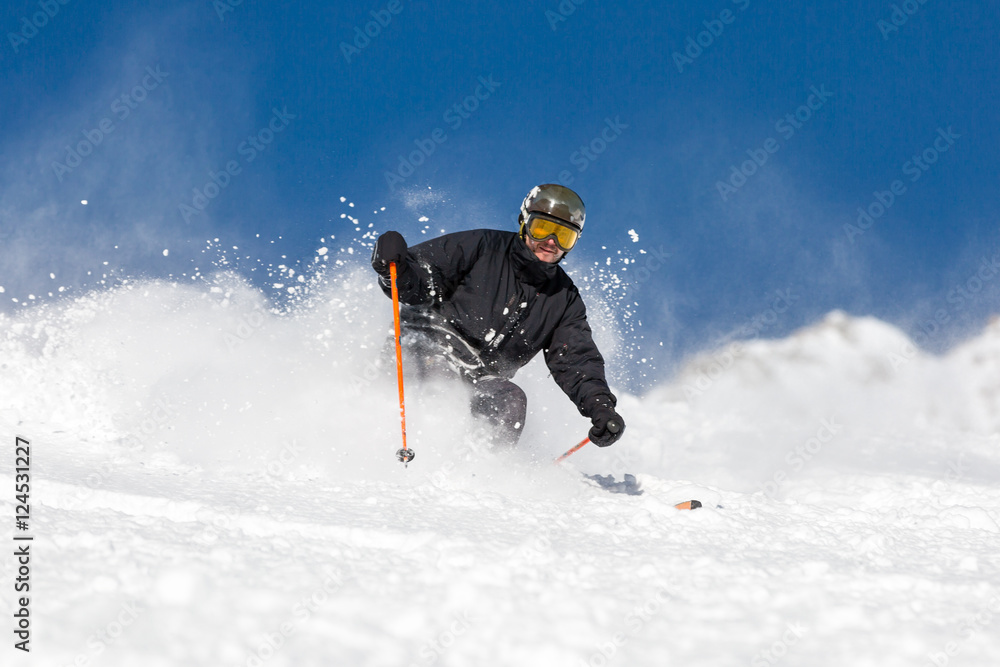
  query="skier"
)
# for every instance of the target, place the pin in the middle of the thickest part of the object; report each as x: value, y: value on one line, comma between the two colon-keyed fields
x: 481, y: 304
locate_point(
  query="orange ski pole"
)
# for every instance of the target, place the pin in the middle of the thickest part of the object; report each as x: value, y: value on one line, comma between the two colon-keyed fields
x: 404, y: 455
x: 576, y: 448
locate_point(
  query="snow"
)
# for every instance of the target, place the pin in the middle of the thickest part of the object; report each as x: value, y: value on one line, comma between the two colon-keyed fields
x: 213, y: 483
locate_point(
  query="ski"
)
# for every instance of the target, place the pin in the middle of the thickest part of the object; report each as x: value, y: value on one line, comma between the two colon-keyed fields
x: 688, y: 505
x: 631, y: 487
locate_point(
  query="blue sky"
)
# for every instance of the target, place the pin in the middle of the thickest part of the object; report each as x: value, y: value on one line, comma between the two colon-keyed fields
x: 665, y: 99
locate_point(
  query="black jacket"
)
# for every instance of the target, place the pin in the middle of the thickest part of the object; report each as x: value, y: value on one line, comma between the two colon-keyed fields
x: 506, y: 305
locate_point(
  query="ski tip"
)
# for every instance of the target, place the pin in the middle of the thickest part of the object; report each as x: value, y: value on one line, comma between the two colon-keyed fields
x: 688, y: 505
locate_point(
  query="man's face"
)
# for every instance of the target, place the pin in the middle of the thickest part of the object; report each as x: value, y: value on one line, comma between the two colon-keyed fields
x: 547, y: 251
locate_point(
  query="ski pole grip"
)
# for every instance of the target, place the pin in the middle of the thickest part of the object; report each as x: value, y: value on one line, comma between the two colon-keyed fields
x: 614, y: 426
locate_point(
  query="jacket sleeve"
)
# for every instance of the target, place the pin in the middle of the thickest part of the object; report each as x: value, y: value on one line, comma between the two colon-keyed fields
x: 434, y: 269
x: 575, y: 362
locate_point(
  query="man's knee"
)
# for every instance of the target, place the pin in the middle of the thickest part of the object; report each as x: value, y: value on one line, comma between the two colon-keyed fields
x: 498, y: 391
x: 502, y: 403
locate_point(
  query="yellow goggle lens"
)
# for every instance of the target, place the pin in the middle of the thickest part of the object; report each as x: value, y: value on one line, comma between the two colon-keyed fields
x: 542, y: 228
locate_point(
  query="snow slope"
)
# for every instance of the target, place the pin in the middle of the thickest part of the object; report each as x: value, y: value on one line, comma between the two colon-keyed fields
x: 213, y: 484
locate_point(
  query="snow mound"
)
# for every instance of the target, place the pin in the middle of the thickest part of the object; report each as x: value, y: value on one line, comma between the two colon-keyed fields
x: 851, y: 389
x: 207, y: 465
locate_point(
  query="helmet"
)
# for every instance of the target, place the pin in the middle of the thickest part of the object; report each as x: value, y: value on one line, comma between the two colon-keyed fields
x: 556, y: 201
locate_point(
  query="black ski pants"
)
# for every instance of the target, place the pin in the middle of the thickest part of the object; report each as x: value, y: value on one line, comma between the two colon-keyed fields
x: 496, y: 401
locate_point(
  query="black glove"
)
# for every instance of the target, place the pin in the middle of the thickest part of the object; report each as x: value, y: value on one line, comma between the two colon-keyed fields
x: 389, y: 247
x: 608, y: 424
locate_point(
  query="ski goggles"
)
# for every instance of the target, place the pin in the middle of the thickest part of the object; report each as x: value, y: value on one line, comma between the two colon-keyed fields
x: 541, y: 228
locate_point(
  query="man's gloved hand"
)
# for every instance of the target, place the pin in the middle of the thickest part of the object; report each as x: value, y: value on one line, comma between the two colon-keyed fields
x: 389, y: 247
x: 608, y: 424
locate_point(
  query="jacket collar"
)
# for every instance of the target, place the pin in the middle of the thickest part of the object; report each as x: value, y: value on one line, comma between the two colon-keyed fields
x: 529, y: 268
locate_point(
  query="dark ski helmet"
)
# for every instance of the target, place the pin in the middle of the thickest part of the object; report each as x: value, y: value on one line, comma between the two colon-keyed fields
x: 555, y: 201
